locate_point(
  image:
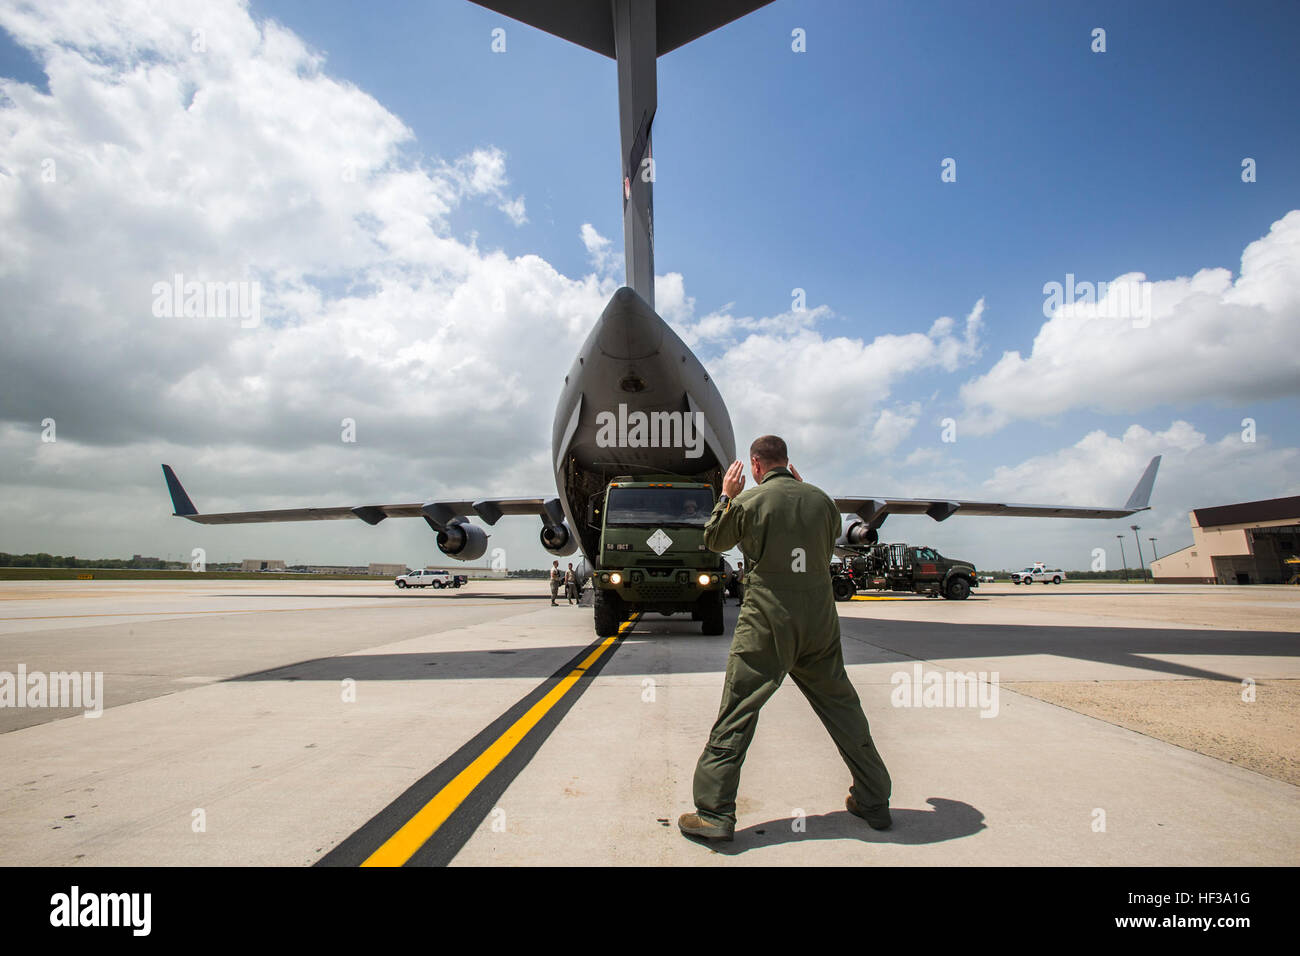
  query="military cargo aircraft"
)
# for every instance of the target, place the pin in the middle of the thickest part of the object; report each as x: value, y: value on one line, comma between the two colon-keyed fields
x: 636, y: 399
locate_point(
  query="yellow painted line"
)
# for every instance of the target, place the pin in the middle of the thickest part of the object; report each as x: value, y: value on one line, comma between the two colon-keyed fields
x: 863, y: 597
x: 417, y: 831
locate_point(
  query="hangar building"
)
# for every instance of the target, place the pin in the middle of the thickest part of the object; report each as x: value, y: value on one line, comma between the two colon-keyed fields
x: 1247, y: 543
x: 258, y: 564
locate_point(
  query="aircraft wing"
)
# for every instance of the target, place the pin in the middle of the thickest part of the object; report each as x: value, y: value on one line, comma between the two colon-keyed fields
x: 590, y: 23
x: 874, y: 510
x: 437, y: 513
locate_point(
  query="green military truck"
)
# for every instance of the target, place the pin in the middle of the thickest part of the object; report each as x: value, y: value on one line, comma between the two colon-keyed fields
x: 901, y: 567
x: 652, y: 555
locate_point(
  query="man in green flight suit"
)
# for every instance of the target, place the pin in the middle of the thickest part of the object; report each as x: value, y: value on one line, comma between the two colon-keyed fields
x: 788, y: 624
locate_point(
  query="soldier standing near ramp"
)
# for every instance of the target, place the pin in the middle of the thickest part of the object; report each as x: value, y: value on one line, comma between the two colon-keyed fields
x: 788, y: 624
x: 557, y: 577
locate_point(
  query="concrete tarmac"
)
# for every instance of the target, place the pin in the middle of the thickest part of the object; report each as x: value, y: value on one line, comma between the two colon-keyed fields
x: 290, y: 723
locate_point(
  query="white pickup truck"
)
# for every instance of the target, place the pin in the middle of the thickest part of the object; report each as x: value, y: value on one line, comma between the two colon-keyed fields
x: 1038, y: 572
x: 424, y: 579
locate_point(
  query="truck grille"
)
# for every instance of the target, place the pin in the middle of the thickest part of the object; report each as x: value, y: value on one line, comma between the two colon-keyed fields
x: 659, y: 592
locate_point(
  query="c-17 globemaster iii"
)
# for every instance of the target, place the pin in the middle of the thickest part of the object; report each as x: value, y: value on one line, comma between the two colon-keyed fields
x: 642, y: 435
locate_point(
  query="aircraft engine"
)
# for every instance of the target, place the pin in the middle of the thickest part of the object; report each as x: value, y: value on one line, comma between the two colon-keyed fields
x: 558, y: 541
x: 462, y: 540
x: 858, y: 534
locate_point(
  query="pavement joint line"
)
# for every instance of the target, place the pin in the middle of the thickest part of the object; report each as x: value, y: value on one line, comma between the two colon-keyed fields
x: 1071, y: 710
x: 420, y: 828
x: 238, y: 610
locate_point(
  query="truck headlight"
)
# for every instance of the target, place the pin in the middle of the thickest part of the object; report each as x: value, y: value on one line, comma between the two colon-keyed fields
x: 704, y: 580
x: 616, y: 578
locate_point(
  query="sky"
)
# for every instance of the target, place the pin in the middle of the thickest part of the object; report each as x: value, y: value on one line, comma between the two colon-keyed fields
x: 918, y: 175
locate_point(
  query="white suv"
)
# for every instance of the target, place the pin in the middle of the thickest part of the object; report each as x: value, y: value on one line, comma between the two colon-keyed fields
x: 424, y: 579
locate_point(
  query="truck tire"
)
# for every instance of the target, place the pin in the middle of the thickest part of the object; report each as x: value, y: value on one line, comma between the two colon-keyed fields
x: 711, y: 613
x: 1056, y: 580
x: 958, y: 589
x: 401, y: 584
x: 610, y: 612
x: 842, y: 588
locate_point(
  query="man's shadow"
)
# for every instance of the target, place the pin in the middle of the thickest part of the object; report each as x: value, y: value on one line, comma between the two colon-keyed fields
x: 948, y: 820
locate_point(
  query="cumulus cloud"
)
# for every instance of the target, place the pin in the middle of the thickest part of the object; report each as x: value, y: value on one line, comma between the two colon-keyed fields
x: 600, y: 252
x: 825, y: 394
x: 891, y: 427
x: 242, y: 160
x: 1101, y: 468
x: 190, y: 139
x: 1097, y: 465
x: 1191, y: 346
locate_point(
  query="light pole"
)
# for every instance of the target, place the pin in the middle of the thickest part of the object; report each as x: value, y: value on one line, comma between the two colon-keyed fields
x: 1136, y: 529
x: 1153, y: 553
x: 1123, y: 559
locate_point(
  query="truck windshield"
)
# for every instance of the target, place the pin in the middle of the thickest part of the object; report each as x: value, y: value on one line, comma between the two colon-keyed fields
x: 674, y: 507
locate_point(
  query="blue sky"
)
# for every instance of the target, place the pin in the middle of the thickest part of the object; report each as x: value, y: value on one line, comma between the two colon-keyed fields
x: 775, y: 170
x: 827, y: 162
x: 778, y: 170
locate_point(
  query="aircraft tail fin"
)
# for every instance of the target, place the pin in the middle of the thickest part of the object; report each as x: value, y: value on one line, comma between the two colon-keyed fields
x: 1138, y: 501
x: 181, y: 504
x: 633, y: 33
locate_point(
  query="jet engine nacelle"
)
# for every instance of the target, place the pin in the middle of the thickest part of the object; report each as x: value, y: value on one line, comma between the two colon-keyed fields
x: 858, y: 534
x: 462, y: 540
x: 558, y: 540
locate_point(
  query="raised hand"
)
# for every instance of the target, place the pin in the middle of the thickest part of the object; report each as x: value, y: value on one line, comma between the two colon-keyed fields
x: 734, y: 480
x: 795, y: 471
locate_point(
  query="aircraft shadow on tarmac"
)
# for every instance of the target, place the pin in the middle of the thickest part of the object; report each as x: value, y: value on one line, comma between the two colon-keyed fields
x: 403, y: 595
x: 661, y: 645
x: 1122, y: 646
x: 947, y: 820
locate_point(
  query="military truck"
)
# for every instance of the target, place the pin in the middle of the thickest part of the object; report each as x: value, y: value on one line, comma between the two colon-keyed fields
x: 652, y: 555
x: 901, y: 567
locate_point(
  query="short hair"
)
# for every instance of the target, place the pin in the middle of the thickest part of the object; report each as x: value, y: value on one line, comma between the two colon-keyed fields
x: 770, y: 450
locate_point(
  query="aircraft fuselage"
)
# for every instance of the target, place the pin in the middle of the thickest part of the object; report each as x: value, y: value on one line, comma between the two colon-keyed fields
x: 636, y: 401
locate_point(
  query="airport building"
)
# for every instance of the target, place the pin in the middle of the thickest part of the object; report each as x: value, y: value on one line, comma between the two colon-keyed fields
x: 1255, y: 542
x: 258, y: 564
x: 471, y: 570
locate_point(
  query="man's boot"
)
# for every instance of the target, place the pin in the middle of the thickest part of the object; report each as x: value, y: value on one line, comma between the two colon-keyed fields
x: 692, y: 825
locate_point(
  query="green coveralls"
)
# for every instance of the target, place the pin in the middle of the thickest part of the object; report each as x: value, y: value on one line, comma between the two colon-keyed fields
x: 788, y: 624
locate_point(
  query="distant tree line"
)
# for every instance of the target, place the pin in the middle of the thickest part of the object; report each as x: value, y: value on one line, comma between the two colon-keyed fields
x: 1115, y: 574
x: 43, y: 560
